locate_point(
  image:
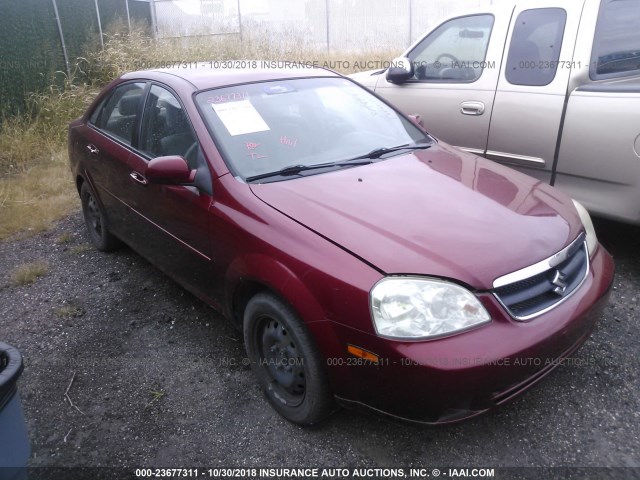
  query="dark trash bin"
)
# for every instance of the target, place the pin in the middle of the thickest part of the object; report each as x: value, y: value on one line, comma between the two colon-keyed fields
x: 14, y: 440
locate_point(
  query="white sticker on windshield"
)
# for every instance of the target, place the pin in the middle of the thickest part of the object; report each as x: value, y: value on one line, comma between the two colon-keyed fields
x: 240, y: 117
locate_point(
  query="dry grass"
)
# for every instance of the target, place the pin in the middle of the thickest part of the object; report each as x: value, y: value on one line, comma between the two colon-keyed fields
x: 64, y: 238
x: 20, y: 146
x: 69, y: 311
x: 58, y: 106
x: 80, y: 249
x: 32, y: 139
x: 30, y: 202
x: 28, y: 273
x: 125, y: 52
x: 35, y: 184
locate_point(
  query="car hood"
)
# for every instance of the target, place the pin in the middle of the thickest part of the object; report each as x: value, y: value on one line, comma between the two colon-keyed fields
x: 439, y: 212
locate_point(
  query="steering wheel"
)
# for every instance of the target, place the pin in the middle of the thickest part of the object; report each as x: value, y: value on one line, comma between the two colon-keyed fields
x: 453, y: 58
x: 193, y: 149
x: 449, y: 71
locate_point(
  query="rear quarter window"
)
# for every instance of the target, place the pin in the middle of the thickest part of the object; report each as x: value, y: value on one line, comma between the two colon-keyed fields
x: 616, y: 44
x: 535, y: 47
x: 93, y: 119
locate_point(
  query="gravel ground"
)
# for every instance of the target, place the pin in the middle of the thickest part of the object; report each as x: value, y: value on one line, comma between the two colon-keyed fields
x: 158, y: 379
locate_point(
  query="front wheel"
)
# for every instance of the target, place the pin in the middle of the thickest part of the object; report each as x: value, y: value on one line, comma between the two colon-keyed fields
x: 96, y: 221
x: 285, y: 360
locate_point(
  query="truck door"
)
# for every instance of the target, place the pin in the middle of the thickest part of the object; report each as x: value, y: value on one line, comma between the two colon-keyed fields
x: 532, y: 88
x: 456, y: 74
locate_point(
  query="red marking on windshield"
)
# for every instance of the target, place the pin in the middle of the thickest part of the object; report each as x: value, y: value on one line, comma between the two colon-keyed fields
x: 289, y: 142
x: 257, y: 156
x: 251, y: 145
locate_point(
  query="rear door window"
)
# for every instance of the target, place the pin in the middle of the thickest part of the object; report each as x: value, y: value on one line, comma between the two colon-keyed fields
x: 535, y: 46
x: 119, y: 115
x: 616, y: 46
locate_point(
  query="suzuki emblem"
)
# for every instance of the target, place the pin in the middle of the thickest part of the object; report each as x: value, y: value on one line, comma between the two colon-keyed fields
x: 559, y: 282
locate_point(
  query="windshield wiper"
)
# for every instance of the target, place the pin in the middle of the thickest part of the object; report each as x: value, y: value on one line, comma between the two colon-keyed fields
x: 366, y: 159
x: 378, y: 152
x: 297, y: 169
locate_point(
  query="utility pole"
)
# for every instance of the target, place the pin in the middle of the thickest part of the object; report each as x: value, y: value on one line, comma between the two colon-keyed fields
x: 410, y: 22
x: 64, y: 47
x: 240, y: 20
x: 126, y: 4
x: 326, y: 9
x: 99, y: 23
x: 154, y: 19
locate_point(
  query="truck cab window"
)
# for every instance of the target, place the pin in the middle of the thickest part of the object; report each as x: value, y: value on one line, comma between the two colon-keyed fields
x: 616, y: 46
x: 535, y: 46
x: 454, y: 52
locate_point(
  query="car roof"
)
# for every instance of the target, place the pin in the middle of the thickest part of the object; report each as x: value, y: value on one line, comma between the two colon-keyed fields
x: 203, y: 75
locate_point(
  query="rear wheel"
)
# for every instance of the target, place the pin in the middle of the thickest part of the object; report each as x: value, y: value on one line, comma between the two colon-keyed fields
x: 96, y: 221
x: 285, y: 360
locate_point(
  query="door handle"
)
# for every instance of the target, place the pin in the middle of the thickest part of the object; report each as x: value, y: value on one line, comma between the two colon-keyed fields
x: 93, y: 150
x: 138, y: 178
x: 472, y: 108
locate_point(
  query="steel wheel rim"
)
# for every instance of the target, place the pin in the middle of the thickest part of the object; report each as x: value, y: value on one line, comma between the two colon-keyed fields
x: 282, y: 362
x: 94, y: 219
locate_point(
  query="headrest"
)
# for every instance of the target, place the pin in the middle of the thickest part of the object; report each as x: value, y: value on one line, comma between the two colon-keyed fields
x: 128, y: 105
x: 175, y: 118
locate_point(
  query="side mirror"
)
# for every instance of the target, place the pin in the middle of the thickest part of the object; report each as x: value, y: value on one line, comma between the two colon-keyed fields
x: 400, y: 71
x: 169, y: 170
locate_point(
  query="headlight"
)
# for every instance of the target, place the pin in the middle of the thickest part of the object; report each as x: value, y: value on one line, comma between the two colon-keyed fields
x: 415, y: 308
x: 592, y: 240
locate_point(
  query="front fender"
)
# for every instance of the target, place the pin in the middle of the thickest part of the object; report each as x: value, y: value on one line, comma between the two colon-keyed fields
x: 270, y: 274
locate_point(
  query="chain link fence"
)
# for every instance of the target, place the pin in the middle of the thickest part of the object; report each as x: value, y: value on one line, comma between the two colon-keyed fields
x: 338, y: 25
x: 39, y: 38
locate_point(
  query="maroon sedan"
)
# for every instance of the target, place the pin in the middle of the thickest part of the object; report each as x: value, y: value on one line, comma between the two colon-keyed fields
x: 365, y: 261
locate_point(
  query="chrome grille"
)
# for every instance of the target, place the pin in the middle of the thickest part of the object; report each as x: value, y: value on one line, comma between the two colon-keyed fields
x: 551, y: 282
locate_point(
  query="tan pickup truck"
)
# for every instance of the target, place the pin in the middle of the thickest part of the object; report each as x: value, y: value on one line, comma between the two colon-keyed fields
x: 549, y: 87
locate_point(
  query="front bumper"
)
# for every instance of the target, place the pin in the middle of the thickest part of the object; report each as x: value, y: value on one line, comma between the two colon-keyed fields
x: 455, y: 378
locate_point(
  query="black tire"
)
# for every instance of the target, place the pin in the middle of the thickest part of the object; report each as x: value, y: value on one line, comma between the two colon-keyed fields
x: 286, y: 362
x: 96, y: 222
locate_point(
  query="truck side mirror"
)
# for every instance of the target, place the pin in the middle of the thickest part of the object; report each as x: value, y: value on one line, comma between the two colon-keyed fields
x: 400, y: 71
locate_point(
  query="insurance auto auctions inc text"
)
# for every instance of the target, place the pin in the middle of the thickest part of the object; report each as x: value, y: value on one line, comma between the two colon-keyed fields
x: 371, y: 473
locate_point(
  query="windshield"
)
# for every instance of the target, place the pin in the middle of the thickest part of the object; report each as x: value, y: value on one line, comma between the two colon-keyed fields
x: 266, y: 127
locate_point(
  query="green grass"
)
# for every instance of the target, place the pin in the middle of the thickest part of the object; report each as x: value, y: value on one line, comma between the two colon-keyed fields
x: 156, y: 395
